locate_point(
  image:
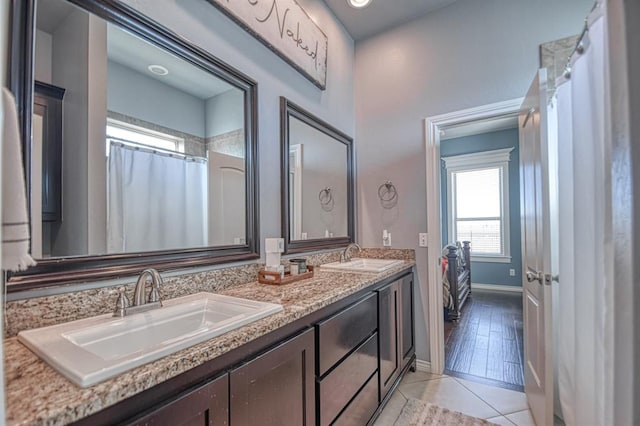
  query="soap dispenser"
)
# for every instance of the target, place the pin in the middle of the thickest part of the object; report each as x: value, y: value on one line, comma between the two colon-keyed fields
x: 273, y: 247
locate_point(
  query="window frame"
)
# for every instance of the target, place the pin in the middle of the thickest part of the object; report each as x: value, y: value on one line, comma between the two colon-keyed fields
x: 179, y: 145
x: 484, y: 160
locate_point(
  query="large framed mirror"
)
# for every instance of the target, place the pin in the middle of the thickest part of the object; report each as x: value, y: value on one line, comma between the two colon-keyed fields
x: 140, y: 147
x: 317, y: 182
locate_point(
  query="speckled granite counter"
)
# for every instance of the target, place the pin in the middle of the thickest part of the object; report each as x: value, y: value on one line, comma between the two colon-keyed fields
x: 36, y: 394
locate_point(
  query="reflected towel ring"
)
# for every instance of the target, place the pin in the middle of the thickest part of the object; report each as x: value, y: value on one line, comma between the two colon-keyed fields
x: 325, y: 197
x: 387, y: 192
x: 388, y: 195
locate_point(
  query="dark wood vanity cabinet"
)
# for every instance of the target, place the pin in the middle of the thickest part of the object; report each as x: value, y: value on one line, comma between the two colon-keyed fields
x: 396, y: 330
x: 347, y: 360
x: 333, y: 367
x: 206, y: 405
x: 47, y: 104
x: 277, y: 388
x: 407, y: 319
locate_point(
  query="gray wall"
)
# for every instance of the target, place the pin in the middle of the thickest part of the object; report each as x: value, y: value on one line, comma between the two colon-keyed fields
x: 624, y: 135
x: 468, y: 54
x: 490, y: 272
x: 43, y: 56
x: 224, y: 113
x: 80, y: 68
x: 207, y: 27
x: 136, y: 95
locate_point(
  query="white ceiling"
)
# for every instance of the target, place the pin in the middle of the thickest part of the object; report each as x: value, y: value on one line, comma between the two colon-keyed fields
x: 51, y: 13
x: 132, y: 52
x: 381, y: 15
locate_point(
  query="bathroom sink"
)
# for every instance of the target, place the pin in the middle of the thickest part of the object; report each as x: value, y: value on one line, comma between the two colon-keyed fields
x: 94, y: 349
x: 364, y: 265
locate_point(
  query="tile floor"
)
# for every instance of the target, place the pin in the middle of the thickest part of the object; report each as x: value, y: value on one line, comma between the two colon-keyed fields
x: 498, y: 405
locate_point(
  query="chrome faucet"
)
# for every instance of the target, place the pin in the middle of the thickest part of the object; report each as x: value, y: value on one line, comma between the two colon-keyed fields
x: 346, y: 254
x: 124, y: 307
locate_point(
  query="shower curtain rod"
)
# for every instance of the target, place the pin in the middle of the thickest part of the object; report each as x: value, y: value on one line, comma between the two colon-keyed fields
x: 580, y: 47
x: 154, y: 150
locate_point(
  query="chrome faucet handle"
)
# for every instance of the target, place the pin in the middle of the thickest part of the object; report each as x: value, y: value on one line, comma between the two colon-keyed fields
x: 346, y: 255
x: 154, y: 294
x: 122, y: 303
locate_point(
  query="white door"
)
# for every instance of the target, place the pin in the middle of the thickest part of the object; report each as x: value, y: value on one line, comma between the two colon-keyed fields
x: 227, y: 222
x: 536, y: 257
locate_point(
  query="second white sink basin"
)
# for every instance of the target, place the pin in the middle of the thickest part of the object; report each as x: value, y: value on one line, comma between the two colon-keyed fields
x: 364, y: 265
x: 94, y: 349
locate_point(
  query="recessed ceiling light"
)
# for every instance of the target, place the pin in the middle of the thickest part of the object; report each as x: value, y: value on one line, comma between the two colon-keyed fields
x: 158, y: 69
x: 358, y: 3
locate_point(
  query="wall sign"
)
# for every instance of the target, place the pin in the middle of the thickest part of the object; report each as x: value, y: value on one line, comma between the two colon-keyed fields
x: 284, y: 27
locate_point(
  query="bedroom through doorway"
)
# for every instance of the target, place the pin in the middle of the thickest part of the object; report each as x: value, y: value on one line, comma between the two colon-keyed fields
x: 481, y: 255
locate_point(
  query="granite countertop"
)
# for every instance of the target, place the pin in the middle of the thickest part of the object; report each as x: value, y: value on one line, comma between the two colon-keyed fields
x: 38, y: 395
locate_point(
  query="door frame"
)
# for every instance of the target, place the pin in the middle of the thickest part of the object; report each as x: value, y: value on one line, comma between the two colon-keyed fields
x: 432, y: 127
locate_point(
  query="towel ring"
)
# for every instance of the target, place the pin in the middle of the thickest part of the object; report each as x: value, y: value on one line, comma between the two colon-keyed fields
x: 325, y: 196
x: 387, y: 192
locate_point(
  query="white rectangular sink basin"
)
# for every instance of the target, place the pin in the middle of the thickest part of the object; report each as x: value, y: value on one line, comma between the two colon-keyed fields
x: 94, y: 349
x: 364, y: 265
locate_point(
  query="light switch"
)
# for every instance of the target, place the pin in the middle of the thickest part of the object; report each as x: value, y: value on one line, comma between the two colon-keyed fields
x: 422, y: 239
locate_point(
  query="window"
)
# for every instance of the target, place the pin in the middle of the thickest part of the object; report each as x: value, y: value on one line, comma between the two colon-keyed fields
x: 131, y: 134
x: 478, y: 203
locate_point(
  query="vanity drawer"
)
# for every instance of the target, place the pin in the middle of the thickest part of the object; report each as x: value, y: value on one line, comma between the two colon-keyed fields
x: 362, y: 407
x: 339, y: 334
x: 337, y: 389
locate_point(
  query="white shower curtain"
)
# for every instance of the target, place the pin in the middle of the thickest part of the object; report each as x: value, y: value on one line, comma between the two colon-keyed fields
x: 582, y: 289
x: 155, y: 202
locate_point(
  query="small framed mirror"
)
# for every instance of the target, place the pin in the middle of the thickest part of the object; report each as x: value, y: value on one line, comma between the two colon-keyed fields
x: 317, y: 182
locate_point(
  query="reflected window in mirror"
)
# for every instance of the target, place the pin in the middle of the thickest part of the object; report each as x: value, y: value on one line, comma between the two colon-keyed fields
x: 156, y: 143
x: 317, y: 182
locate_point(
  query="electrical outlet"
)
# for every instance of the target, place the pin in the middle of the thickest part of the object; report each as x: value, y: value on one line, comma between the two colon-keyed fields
x: 422, y: 239
x: 512, y: 272
x: 386, y: 238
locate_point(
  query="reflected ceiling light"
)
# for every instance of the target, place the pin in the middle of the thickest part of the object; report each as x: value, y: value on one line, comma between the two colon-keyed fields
x: 158, y: 69
x: 358, y: 3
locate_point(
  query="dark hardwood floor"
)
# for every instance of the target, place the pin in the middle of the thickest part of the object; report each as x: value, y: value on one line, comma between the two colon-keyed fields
x: 486, y: 344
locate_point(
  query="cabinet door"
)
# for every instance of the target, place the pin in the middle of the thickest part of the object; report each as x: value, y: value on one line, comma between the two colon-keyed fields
x: 407, y: 319
x: 388, y: 333
x: 48, y: 106
x: 278, y: 387
x: 207, y: 405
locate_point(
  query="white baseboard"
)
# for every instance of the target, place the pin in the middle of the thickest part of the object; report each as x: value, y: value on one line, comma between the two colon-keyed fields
x: 424, y: 366
x: 496, y: 287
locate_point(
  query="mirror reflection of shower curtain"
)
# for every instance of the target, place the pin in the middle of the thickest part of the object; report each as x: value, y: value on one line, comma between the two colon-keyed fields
x: 155, y: 202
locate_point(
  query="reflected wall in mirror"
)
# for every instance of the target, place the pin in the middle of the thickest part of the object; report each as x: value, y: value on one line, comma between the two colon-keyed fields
x: 147, y: 149
x: 317, y: 182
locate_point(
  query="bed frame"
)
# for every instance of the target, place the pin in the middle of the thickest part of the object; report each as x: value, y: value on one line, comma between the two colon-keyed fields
x: 459, y: 275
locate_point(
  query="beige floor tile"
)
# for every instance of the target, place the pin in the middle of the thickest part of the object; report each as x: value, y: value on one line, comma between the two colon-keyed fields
x: 419, y: 376
x: 447, y: 392
x: 500, y: 420
x: 522, y: 418
x: 392, y: 410
x: 504, y: 400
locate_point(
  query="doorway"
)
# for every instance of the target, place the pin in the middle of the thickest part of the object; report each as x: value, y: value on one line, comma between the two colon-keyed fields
x: 435, y: 126
x: 480, y: 204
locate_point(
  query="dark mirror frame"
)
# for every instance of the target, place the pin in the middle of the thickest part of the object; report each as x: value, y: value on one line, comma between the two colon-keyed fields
x: 65, y: 270
x: 289, y: 109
